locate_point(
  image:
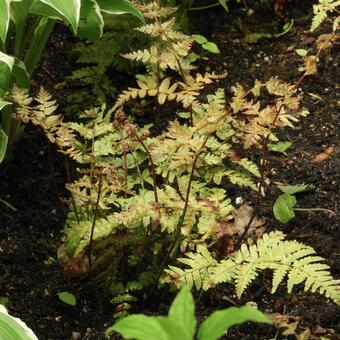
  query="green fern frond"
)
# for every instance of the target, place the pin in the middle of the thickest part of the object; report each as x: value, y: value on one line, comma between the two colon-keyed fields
x: 321, y: 11
x: 249, y: 166
x: 199, y: 264
x: 286, y: 258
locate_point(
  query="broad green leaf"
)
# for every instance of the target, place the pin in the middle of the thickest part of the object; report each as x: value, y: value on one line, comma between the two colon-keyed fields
x: 211, y: 47
x: 280, y: 147
x: 68, y: 298
x: 3, y: 138
x: 119, y: 7
x: 219, y: 322
x: 283, y: 208
x: 20, y: 74
x: 7, y: 59
x: 140, y: 327
x: 91, y: 22
x: 301, y: 52
x: 6, y: 65
x: 292, y: 189
x: 200, y: 39
x: 68, y: 11
x: 19, y: 11
x: 3, y: 104
x: 13, y: 328
x: 182, y: 312
x: 4, y: 19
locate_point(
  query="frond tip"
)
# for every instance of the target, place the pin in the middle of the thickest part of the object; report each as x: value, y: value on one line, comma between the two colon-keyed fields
x: 293, y: 259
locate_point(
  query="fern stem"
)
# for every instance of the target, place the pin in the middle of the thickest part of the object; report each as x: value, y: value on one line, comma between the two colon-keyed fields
x: 68, y: 176
x: 100, y: 185
x: 152, y: 166
x: 187, y: 195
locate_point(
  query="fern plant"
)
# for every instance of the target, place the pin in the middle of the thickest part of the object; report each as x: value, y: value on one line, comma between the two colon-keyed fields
x: 143, y: 200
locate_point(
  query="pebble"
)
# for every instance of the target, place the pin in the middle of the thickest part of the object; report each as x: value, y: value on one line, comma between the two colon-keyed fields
x: 238, y: 200
x: 266, y: 59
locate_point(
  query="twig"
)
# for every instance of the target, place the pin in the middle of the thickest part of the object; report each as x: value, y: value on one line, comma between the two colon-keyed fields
x: 8, y: 205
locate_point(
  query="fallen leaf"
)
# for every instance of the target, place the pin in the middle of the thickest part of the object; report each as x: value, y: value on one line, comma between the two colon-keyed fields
x: 242, y: 216
x: 323, y: 155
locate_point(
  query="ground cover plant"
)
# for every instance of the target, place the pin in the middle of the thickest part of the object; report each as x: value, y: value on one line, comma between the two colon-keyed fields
x: 164, y: 190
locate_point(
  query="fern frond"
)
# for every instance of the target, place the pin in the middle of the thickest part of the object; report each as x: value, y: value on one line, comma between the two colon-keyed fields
x: 286, y: 258
x: 199, y: 264
x: 321, y: 11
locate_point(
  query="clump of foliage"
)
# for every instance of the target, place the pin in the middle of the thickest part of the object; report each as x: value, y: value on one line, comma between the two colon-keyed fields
x: 25, y: 27
x: 143, y: 202
x: 181, y: 322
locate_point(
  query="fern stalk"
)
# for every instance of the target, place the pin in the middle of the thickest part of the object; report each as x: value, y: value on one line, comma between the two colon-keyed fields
x: 100, y: 185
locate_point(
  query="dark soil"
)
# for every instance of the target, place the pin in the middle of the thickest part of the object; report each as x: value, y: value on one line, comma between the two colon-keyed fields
x: 33, y: 183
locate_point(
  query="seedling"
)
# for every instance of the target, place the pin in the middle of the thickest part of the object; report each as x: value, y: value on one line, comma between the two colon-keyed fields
x: 67, y: 298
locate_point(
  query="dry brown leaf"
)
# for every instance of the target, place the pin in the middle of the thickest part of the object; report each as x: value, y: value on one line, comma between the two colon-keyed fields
x: 242, y: 215
x: 323, y: 155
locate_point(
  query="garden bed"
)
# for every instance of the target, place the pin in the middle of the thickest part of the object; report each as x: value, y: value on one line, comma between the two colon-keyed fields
x: 33, y: 183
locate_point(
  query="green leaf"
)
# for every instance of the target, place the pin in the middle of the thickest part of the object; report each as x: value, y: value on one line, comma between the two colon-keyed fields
x: 301, y: 52
x: 68, y: 298
x: 279, y: 147
x: 283, y: 208
x: 140, y: 327
x: 91, y: 23
x: 182, y: 312
x: 219, y: 322
x: 4, y: 19
x: 14, y: 328
x: 200, y: 39
x: 20, y: 74
x: 19, y: 11
x: 68, y: 11
x: 211, y: 47
x: 292, y: 189
x: 3, y: 140
x: 120, y: 7
x: 7, y: 60
x: 223, y: 3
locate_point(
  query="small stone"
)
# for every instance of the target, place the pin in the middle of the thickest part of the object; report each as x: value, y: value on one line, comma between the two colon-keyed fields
x: 266, y: 59
x: 238, y: 200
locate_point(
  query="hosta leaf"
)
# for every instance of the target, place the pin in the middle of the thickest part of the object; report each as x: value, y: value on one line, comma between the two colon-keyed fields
x: 68, y: 11
x: 91, y: 21
x: 3, y: 138
x: 119, y: 7
x: 19, y: 11
x: 20, y: 74
x: 6, y: 67
x: 14, y: 328
x: 4, y: 19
